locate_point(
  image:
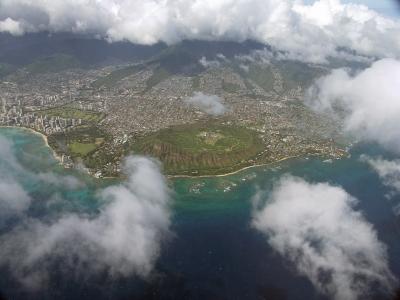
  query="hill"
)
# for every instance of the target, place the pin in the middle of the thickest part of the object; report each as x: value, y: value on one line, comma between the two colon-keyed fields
x: 201, y: 149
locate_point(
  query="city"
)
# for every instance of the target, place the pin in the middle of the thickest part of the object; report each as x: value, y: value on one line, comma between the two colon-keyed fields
x: 148, y: 99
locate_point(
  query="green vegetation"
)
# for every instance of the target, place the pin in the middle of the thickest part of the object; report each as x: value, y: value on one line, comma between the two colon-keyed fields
x: 91, y: 146
x: 5, y: 69
x: 68, y: 112
x: 115, y: 76
x: 201, y: 149
x: 159, y: 75
x: 230, y: 87
x: 53, y: 64
x: 79, y: 142
x: 243, y: 74
x: 82, y: 149
x: 196, y: 82
x: 176, y: 60
x: 295, y: 73
x: 262, y: 76
x: 173, y: 60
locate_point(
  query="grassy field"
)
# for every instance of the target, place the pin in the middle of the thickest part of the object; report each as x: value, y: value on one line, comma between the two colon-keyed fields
x: 73, y: 113
x: 81, y: 149
x: 90, y: 146
x: 201, y: 149
x: 52, y: 64
x: 79, y: 142
x: 83, y: 145
x: 115, y: 76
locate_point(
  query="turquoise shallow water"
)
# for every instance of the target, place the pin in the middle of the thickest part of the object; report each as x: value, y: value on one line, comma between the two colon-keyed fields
x: 214, y: 253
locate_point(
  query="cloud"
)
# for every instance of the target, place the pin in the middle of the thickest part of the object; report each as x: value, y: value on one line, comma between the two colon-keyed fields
x: 9, y: 162
x: 369, y: 101
x: 266, y: 55
x: 69, y: 182
x: 209, y: 63
x: 388, y: 170
x: 11, y: 26
x: 310, y: 32
x: 214, y: 63
x: 13, y: 198
x: 7, y: 157
x: 210, y: 104
x: 317, y: 229
x: 124, y: 238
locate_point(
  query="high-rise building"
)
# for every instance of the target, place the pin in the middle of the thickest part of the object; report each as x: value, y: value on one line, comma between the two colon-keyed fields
x: 3, y: 106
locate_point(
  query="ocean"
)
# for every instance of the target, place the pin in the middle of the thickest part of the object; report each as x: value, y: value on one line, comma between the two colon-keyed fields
x: 214, y: 252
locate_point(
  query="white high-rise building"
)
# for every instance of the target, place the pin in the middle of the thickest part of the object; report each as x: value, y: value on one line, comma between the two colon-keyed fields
x: 3, y: 106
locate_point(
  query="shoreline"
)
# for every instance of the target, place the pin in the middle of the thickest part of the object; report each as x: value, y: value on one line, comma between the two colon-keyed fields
x: 58, y: 158
x: 243, y: 169
x: 233, y: 172
x: 43, y: 136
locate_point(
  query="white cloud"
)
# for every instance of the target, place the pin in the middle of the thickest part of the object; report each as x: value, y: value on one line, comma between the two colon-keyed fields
x: 124, y: 238
x: 7, y: 157
x: 213, y: 63
x: 13, y: 198
x: 9, y: 162
x: 388, y: 170
x: 317, y: 229
x: 369, y: 101
x: 311, y: 32
x: 210, y: 104
x: 11, y: 26
x: 244, y: 67
x: 209, y: 63
x: 69, y: 182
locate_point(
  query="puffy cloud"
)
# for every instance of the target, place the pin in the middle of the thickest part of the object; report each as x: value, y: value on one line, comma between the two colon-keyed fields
x: 69, y: 182
x: 11, y: 26
x: 317, y: 229
x: 214, y: 63
x: 210, y: 104
x: 13, y: 198
x: 369, y: 101
x: 310, y: 32
x: 388, y: 170
x: 7, y: 157
x: 209, y: 63
x: 124, y: 238
x: 266, y: 55
x: 9, y: 162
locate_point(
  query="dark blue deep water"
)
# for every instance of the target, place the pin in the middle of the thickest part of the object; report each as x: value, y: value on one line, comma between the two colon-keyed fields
x: 214, y: 253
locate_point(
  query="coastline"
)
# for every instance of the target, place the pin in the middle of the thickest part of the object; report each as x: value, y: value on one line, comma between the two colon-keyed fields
x: 58, y: 158
x: 234, y: 172
x: 43, y: 136
x: 242, y: 169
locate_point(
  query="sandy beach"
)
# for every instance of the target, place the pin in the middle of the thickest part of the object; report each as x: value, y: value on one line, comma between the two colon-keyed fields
x: 234, y: 172
x: 58, y: 158
x: 43, y: 136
